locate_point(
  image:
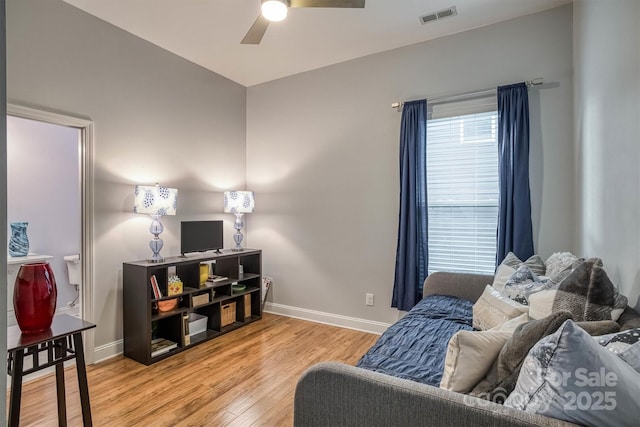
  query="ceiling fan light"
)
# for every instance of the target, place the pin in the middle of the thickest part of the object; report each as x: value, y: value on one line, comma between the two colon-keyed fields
x: 274, y: 10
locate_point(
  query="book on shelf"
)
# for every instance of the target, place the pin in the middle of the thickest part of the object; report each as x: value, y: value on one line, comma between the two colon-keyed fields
x: 215, y: 278
x: 186, y: 338
x: 161, y: 346
x: 155, y: 288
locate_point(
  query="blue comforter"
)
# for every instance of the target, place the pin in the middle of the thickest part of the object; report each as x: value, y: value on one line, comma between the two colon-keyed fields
x: 415, y: 346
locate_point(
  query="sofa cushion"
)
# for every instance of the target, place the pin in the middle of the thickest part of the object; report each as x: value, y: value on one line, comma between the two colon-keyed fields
x: 568, y: 376
x: 625, y: 344
x: 501, y: 378
x: 415, y: 346
x: 524, y: 283
x: 469, y: 357
x: 511, y: 263
x: 559, y: 262
x: 470, y: 354
x: 493, y: 308
x: 534, y: 262
x: 587, y: 293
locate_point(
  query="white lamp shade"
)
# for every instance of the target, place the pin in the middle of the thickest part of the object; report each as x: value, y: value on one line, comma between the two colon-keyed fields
x: 274, y: 10
x: 239, y: 202
x: 155, y: 200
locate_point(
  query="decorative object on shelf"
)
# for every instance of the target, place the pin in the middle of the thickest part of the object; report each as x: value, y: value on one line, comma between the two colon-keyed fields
x: 34, y: 297
x: 168, y: 304
x: 204, y: 273
x: 156, y: 201
x: 174, y: 286
x: 238, y: 203
x: 19, y: 241
x: 235, y: 287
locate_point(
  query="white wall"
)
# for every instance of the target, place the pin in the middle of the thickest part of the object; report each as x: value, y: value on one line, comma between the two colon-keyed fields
x: 43, y: 189
x: 158, y: 118
x: 322, y: 156
x: 607, y: 136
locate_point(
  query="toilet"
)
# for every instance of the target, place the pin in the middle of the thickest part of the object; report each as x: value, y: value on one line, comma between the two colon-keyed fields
x: 74, y: 269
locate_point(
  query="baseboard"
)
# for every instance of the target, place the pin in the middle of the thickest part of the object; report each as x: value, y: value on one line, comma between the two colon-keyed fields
x: 355, y: 323
x: 107, y: 351
x: 116, y: 348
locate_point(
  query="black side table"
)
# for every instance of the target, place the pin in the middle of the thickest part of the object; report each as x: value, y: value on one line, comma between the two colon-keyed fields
x: 62, y: 342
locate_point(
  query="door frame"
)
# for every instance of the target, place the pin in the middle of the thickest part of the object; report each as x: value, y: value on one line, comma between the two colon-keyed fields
x: 86, y: 128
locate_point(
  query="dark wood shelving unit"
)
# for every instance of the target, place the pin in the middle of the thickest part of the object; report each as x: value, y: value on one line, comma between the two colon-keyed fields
x: 143, y: 322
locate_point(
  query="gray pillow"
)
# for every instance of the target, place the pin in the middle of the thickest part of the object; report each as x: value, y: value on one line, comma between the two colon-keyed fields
x: 534, y: 262
x: 625, y: 344
x: 568, y: 376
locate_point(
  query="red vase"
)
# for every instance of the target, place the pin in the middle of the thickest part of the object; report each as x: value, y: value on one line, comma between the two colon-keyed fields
x: 34, y: 297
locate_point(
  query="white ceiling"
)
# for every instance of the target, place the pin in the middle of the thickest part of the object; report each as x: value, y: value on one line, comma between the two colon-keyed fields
x: 208, y: 32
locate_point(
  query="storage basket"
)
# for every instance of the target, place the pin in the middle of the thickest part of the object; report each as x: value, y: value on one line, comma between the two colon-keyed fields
x: 247, y: 306
x: 197, y: 323
x: 200, y: 299
x: 228, y: 313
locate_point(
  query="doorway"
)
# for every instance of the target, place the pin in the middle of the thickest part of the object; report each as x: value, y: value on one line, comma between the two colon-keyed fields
x: 55, y: 147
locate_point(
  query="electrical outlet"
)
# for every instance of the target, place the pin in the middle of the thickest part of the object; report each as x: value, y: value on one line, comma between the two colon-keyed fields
x: 369, y: 299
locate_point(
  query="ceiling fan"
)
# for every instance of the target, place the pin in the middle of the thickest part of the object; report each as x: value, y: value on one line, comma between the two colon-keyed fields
x: 276, y: 10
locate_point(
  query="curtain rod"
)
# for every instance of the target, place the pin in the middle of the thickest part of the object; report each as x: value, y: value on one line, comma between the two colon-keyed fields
x: 452, y: 97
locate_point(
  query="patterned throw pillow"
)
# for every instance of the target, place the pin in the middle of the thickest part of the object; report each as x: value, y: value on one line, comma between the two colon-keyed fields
x: 493, y: 308
x: 534, y: 262
x: 561, y: 261
x: 568, y: 376
x: 625, y: 344
x: 525, y: 282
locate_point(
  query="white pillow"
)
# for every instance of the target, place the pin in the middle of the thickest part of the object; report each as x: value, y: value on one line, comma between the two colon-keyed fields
x: 503, y: 273
x: 493, y: 309
x: 541, y: 303
x: 511, y: 325
x: 469, y: 356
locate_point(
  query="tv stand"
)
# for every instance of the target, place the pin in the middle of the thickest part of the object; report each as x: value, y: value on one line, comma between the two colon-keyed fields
x: 218, y: 251
x: 218, y: 308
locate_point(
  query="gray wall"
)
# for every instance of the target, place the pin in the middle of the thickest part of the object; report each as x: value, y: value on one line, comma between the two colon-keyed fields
x: 607, y: 135
x: 158, y: 118
x: 322, y: 156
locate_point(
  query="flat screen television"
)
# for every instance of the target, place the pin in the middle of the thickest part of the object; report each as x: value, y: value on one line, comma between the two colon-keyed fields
x: 200, y: 236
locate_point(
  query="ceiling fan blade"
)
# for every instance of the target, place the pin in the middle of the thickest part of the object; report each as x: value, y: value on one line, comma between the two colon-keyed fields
x: 256, y: 32
x: 327, y: 3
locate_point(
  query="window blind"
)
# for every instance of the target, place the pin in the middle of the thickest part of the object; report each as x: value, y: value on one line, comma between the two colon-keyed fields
x: 462, y: 186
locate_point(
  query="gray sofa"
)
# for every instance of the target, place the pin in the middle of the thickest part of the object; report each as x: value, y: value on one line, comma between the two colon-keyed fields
x: 335, y: 394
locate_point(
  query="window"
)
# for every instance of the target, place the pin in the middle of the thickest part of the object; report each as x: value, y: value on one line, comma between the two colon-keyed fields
x: 462, y: 186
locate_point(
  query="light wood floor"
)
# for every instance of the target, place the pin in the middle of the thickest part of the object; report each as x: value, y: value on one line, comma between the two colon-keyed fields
x: 243, y: 378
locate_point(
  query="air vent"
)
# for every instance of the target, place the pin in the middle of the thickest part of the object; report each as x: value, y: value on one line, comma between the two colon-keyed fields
x: 441, y: 14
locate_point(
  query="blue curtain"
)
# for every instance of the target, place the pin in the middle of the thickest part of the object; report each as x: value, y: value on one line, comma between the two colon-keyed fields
x: 412, y: 252
x: 514, y: 212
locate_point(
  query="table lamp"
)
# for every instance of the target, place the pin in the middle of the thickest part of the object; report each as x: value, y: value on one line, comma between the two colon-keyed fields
x: 156, y: 201
x: 238, y: 203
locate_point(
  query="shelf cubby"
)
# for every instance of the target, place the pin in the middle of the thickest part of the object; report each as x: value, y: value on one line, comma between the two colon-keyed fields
x: 143, y: 321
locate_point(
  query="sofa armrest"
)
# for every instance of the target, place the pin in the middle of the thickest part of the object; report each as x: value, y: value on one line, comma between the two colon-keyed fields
x: 461, y: 285
x: 334, y: 394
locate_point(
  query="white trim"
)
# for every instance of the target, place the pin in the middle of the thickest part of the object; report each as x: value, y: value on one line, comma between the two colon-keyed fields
x: 87, y: 182
x: 107, y: 351
x: 355, y: 323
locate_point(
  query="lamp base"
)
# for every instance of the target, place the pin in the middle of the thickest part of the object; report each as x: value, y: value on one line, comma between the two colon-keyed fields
x: 237, y: 237
x: 156, y: 243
